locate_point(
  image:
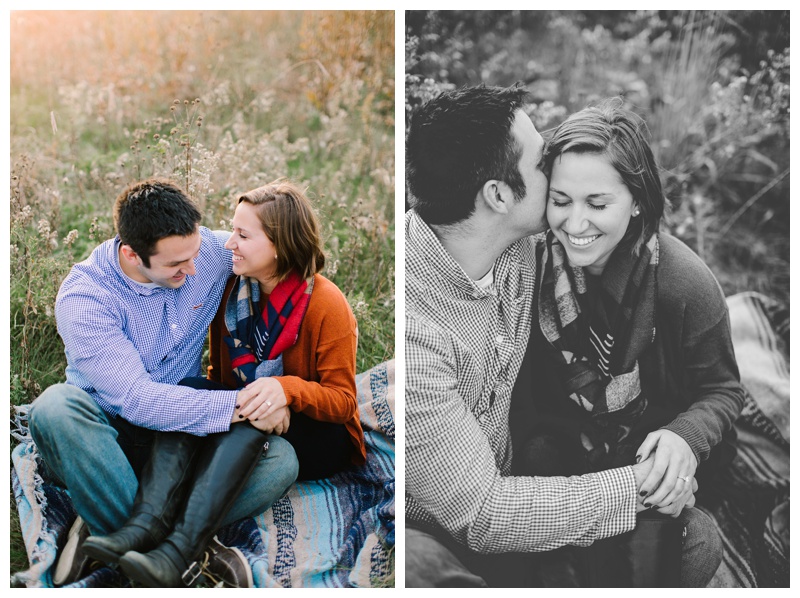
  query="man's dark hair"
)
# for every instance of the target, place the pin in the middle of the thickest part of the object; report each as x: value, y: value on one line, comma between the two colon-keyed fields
x: 458, y: 141
x: 148, y: 211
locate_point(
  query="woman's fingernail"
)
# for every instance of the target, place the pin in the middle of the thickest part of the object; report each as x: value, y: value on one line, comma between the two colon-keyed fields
x: 643, y: 493
x: 647, y: 505
x: 237, y: 406
x: 638, y: 457
x: 241, y: 416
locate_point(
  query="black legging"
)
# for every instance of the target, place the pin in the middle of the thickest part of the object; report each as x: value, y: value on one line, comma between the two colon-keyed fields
x: 323, y: 448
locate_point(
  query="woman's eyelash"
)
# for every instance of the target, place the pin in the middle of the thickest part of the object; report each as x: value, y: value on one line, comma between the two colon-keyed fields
x: 561, y: 204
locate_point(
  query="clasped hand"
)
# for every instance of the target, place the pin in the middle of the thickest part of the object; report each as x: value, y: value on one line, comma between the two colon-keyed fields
x: 669, y: 484
x: 264, y: 404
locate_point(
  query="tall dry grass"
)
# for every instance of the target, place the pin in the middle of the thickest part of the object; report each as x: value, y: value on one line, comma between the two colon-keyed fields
x: 221, y: 102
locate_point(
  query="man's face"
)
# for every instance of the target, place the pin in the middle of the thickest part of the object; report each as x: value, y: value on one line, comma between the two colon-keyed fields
x: 529, y: 212
x: 172, y: 261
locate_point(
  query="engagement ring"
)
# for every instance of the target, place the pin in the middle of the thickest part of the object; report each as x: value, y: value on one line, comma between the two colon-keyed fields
x: 684, y: 478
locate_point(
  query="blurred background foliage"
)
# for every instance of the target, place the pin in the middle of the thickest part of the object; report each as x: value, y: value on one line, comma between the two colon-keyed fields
x: 713, y: 87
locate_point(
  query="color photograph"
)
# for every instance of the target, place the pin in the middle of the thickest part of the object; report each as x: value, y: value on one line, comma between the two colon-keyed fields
x: 202, y: 298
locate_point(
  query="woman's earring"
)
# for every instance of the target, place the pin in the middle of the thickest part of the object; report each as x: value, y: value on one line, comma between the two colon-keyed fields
x: 636, y: 212
x: 276, y: 256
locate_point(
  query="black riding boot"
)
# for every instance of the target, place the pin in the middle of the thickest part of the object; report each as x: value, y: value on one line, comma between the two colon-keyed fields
x: 223, y: 467
x: 162, y: 488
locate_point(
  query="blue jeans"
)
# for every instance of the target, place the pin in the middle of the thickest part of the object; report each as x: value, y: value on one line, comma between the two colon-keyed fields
x: 97, y: 458
x: 433, y: 560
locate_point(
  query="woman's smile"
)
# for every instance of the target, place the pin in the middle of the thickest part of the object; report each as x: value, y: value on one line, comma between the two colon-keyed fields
x: 581, y: 241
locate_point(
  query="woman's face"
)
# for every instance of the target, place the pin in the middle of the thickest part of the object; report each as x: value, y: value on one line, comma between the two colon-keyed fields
x: 254, y: 254
x: 588, y: 208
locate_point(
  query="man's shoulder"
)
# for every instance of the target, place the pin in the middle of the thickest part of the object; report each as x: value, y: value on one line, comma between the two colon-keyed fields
x: 96, y: 274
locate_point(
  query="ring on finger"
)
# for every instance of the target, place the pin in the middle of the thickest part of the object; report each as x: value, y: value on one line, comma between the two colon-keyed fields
x: 269, y: 403
x: 684, y: 478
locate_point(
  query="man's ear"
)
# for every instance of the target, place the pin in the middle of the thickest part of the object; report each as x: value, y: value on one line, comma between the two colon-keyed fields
x: 496, y: 195
x: 130, y: 255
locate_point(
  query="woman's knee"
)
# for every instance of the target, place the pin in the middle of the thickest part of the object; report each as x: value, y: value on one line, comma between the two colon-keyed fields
x: 702, y: 552
x: 285, y: 458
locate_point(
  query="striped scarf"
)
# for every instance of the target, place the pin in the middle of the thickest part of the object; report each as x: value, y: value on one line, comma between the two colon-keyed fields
x: 596, y: 344
x: 257, y: 340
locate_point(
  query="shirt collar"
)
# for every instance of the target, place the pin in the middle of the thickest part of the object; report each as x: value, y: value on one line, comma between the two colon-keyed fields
x: 132, y: 284
x: 424, y: 242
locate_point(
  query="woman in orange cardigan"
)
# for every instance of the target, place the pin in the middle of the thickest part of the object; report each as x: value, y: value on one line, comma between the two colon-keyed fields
x: 277, y: 248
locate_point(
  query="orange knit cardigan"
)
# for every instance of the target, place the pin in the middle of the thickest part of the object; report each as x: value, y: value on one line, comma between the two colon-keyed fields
x: 319, y: 369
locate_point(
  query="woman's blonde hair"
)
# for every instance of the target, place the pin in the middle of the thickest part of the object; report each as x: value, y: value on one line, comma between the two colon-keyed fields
x: 289, y: 221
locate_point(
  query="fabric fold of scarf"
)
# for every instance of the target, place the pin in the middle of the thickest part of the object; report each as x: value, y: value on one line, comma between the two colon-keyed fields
x: 259, y: 337
x: 597, y: 343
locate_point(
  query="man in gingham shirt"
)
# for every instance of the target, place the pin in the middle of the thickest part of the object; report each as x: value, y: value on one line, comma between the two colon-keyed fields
x: 133, y: 318
x: 477, y: 191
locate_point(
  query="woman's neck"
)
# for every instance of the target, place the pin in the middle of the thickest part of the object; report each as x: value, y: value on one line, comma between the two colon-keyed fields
x: 267, y: 284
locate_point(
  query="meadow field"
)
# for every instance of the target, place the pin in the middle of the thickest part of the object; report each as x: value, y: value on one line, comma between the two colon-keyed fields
x: 713, y: 87
x: 220, y: 102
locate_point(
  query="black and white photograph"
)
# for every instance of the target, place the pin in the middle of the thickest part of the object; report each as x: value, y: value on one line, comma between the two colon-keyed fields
x: 596, y: 299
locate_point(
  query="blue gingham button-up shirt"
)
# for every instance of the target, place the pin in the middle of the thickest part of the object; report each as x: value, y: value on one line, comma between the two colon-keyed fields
x: 128, y: 345
x: 464, y: 346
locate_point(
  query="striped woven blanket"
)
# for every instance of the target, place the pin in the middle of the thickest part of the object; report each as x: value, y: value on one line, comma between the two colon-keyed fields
x: 337, y: 532
x: 752, y: 510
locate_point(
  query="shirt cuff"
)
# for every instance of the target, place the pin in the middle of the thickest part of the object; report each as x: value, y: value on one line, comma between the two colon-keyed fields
x: 220, y: 410
x: 618, y: 503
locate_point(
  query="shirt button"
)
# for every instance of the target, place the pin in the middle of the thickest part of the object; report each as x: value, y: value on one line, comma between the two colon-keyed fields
x: 499, y: 339
x: 173, y: 326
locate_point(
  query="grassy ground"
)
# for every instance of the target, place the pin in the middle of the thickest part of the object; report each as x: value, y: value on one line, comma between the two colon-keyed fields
x: 221, y: 102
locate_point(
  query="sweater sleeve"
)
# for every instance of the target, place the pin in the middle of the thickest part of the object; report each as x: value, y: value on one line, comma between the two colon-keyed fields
x: 716, y: 396
x: 334, y: 335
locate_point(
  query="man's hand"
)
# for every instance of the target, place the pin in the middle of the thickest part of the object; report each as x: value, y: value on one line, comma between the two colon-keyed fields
x: 684, y: 498
x: 275, y: 423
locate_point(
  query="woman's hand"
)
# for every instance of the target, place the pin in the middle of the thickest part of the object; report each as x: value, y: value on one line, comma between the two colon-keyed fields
x: 670, y: 483
x: 261, y: 398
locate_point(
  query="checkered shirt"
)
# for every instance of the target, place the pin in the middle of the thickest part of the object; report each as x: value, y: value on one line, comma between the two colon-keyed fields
x: 464, y: 347
x: 128, y: 345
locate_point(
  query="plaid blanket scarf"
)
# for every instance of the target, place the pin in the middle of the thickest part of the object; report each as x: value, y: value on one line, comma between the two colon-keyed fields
x: 258, y: 338
x: 596, y: 338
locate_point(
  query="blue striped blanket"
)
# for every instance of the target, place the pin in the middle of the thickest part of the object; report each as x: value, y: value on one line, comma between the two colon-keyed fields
x: 337, y: 532
x: 752, y: 510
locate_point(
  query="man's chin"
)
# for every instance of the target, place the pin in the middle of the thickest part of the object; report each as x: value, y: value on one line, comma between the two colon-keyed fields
x: 172, y: 283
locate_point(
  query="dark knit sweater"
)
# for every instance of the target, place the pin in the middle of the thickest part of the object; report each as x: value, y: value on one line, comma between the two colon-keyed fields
x: 689, y: 374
